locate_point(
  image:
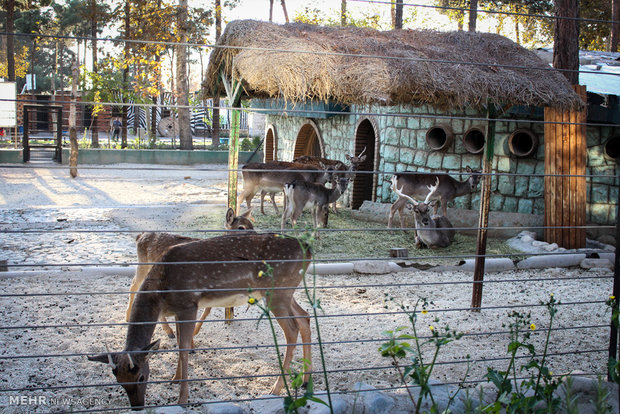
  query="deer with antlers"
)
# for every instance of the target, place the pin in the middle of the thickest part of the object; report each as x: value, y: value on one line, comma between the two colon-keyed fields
x: 415, y: 185
x: 192, y: 275
x: 152, y: 246
x: 431, y: 231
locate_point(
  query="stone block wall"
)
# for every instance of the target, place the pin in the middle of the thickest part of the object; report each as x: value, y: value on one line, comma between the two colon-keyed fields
x: 518, y: 186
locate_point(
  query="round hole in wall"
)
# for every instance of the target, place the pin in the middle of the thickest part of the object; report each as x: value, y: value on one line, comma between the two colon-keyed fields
x: 439, y: 137
x: 523, y: 142
x: 474, y: 139
x: 612, y: 148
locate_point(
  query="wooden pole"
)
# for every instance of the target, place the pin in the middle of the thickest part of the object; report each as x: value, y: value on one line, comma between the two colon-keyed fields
x: 233, y: 92
x: 483, y: 218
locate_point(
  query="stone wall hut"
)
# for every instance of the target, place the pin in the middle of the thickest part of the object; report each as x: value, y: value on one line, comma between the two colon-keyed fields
x: 415, y: 99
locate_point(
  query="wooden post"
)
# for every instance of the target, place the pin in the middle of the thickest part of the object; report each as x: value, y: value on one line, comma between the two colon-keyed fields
x: 233, y: 92
x: 483, y: 218
x: 565, y: 181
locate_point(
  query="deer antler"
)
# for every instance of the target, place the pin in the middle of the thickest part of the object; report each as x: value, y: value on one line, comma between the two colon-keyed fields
x: 400, y: 192
x: 110, y: 362
x: 431, y: 190
x: 361, y: 153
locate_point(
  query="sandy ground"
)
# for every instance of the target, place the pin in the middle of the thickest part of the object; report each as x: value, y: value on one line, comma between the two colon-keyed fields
x: 50, y: 319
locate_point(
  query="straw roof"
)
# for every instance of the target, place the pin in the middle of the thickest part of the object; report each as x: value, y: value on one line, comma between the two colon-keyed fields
x: 353, y: 65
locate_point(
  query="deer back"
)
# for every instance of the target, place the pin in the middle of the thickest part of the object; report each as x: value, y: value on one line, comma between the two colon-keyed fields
x: 275, y: 174
x: 198, y: 265
x: 151, y: 246
x: 415, y: 184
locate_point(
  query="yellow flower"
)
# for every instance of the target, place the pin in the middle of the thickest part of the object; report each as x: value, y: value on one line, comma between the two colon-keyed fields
x: 261, y: 273
x: 533, y: 327
x: 612, y: 297
x: 424, y: 311
x: 251, y: 300
x: 432, y: 328
x: 551, y: 294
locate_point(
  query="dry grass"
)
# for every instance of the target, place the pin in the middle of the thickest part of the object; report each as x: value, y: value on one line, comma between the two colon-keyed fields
x: 354, y: 65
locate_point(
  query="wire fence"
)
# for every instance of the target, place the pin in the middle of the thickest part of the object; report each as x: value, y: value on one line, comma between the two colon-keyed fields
x: 64, y: 293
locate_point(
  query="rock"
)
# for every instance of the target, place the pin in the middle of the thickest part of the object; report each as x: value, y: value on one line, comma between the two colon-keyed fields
x: 375, y: 267
x: 525, y: 233
x: 550, y: 247
x: 596, y: 263
x: 537, y: 243
x: 221, y: 408
x: 267, y: 404
x: 375, y: 402
x: 607, y: 239
x: 527, y: 239
x: 340, y: 405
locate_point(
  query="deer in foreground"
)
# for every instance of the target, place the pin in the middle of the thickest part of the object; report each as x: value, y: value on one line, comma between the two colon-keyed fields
x: 302, y: 195
x: 271, y: 176
x: 431, y: 231
x: 415, y: 185
x: 191, y: 276
x: 152, y: 246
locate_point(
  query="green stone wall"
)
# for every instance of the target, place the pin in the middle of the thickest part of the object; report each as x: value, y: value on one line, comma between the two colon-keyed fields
x: 402, y: 146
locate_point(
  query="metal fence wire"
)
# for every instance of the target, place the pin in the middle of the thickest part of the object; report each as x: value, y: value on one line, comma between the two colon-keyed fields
x: 68, y: 270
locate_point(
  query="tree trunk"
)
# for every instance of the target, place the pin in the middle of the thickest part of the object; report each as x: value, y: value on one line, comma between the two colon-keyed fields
x: 215, y: 121
x: 615, y: 28
x: 473, y: 15
x: 270, y: 10
x: 343, y: 13
x: 73, y: 157
x: 284, y: 10
x: 125, y: 76
x: 566, y: 41
x: 10, y: 45
x: 398, y: 15
x: 185, y: 132
x: 93, y: 33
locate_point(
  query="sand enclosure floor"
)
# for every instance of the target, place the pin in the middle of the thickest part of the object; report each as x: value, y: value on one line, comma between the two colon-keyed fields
x: 55, y: 315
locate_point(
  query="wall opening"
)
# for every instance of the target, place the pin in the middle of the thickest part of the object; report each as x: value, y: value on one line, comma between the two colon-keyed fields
x: 612, y: 148
x: 439, y: 137
x: 364, y: 184
x: 474, y: 139
x: 523, y: 142
x: 271, y: 145
x: 308, y: 141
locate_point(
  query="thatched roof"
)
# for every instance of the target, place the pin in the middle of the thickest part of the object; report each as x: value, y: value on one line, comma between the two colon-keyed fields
x: 352, y: 65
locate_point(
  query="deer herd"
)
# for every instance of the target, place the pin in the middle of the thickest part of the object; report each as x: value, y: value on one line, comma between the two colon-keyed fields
x: 178, y: 275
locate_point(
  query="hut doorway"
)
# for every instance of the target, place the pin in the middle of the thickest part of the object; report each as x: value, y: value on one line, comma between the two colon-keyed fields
x: 364, y: 184
x: 308, y: 141
x: 271, y: 144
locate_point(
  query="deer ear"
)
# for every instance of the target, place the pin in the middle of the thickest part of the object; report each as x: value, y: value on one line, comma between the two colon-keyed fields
x: 247, y: 214
x: 230, y: 215
x: 362, y: 158
x: 348, y: 157
x: 103, y: 358
x: 468, y: 169
x: 153, y: 346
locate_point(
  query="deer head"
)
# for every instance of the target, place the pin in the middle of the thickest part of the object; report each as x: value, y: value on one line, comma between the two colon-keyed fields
x: 131, y: 371
x: 356, y: 160
x: 241, y: 222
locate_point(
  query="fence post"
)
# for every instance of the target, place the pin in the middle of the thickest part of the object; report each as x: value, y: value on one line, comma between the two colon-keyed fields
x: 483, y: 219
x: 613, y: 330
x: 233, y: 92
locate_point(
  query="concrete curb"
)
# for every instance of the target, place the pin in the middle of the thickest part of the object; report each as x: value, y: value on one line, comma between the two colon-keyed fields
x: 552, y: 260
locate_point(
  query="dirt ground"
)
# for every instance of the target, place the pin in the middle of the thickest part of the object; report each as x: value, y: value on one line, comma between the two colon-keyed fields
x: 53, y: 314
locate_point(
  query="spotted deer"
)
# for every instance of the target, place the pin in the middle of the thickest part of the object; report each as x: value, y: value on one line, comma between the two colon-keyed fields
x: 191, y: 276
x: 415, y: 185
x: 152, y: 246
x: 431, y: 231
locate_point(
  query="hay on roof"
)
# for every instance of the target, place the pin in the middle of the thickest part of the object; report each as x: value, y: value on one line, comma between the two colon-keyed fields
x: 352, y: 65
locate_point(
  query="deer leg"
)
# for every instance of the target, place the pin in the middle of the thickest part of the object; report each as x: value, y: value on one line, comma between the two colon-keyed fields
x: 199, y: 324
x: 262, y: 201
x: 303, y: 323
x: 184, y: 334
x: 398, y: 206
x: 291, y: 331
x: 134, y: 287
x: 273, y: 202
x: 166, y: 327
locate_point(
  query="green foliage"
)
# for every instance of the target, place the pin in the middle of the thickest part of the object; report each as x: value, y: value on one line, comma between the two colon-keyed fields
x: 539, y: 386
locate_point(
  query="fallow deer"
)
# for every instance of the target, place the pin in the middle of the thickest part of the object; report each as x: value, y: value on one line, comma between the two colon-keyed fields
x: 335, y: 168
x: 271, y: 177
x: 431, y: 231
x: 191, y: 276
x: 415, y: 185
x: 302, y: 195
x: 152, y: 246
